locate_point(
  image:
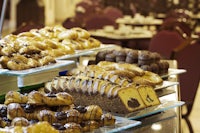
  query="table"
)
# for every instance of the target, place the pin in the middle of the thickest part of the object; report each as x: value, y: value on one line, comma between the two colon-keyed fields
x: 140, y: 21
x: 123, y: 37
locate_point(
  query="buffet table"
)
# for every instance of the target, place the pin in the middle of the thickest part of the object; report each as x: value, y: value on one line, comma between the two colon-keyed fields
x: 160, y: 112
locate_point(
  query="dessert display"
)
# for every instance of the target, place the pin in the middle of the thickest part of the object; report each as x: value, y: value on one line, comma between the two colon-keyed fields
x: 146, y: 60
x: 110, y: 85
x: 39, y: 47
x: 35, y: 111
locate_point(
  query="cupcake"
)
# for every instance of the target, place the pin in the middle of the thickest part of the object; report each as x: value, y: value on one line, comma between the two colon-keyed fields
x: 144, y: 58
x: 155, y: 57
x: 101, y: 55
x: 110, y: 57
x: 146, y: 68
x: 154, y: 68
x: 132, y: 56
x: 120, y: 56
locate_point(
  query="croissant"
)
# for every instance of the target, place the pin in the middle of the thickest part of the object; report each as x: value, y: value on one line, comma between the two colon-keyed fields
x: 122, y: 66
x: 107, y: 120
x: 20, y: 121
x: 58, y: 99
x: 15, y: 97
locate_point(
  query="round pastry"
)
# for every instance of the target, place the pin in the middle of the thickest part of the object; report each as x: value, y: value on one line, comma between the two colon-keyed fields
x: 73, y: 44
x: 72, y: 127
x: 120, y: 55
x: 89, y: 125
x: 85, y: 43
x: 164, y: 66
x: 161, y: 68
x: 81, y: 32
x: 132, y: 56
x: 15, y: 97
x: 94, y: 42
x: 68, y: 34
x: 110, y: 57
x: 144, y: 58
x: 107, y: 120
x: 154, y: 68
x: 146, y: 68
x: 20, y: 121
x: 101, y: 55
x: 156, y: 57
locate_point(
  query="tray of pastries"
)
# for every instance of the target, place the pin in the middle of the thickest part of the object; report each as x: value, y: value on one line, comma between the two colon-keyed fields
x: 36, y: 111
x: 40, y: 47
x: 146, y: 60
x: 125, y: 88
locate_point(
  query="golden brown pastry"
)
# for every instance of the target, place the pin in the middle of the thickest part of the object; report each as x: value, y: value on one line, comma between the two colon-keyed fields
x: 68, y: 34
x: 107, y: 120
x: 149, y: 78
x: 15, y: 97
x: 20, y: 121
x: 81, y: 32
x: 89, y: 125
x: 58, y: 99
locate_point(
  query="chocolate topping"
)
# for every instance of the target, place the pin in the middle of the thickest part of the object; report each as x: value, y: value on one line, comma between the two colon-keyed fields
x: 81, y: 109
x: 61, y: 115
x: 3, y: 111
x: 58, y: 126
x: 133, y: 103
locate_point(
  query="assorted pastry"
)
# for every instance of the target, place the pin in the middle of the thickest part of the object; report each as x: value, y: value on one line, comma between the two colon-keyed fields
x: 146, y: 60
x: 35, y: 111
x: 39, y: 47
x: 115, y: 87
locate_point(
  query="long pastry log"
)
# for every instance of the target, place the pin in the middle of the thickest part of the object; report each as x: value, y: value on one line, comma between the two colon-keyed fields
x: 84, y: 85
x: 95, y: 91
x: 122, y: 66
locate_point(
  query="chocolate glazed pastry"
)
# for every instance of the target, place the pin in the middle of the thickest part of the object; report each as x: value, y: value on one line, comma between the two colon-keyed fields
x: 101, y: 55
x: 132, y: 57
x: 144, y: 58
x: 110, y: 57
x: 120, y: 56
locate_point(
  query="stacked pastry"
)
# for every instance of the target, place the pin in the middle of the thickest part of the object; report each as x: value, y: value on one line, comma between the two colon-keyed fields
x: 39, y: 47
x: 36, y: 110
x: 149, y: 61
x: 117, y: 88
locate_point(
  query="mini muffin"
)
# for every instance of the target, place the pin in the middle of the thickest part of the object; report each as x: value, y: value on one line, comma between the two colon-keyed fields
x: 101, y: 55
x: 120, y: 55
x: 163, y: 67
x: 155, y: 56
x: 154, y: 68
x: 166, y: 67
x: 110, y: 57
x: 146, y: 68
x: 132, y: 56
x: 144, y: 58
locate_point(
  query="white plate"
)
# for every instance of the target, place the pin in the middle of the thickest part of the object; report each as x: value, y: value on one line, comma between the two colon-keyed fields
x: 166, y: 105
x: 3, y: 71
x: 172, y: 71
x: 165, y: 84
x: 75, y: 55
x: 57, y: 65
x: 120, y: 125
